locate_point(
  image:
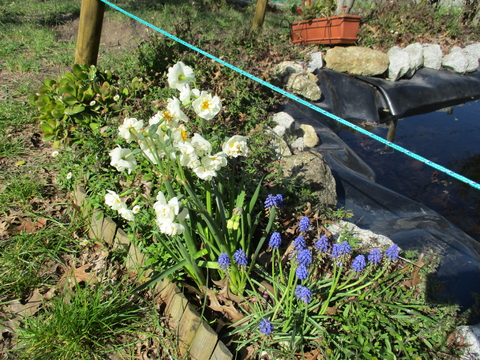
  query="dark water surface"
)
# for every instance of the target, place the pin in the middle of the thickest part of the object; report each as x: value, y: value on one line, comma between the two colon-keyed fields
x: 449, y: 138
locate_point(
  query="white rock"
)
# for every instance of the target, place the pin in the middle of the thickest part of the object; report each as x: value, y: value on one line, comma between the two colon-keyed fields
x: 432, y: 56
x: 368, y: 239
x: 471, y: 336
x: 473, y: 50
x: 398, y: 63
x: 298, y: 144
x: 279, y: 131
x: 472, y: 63
x: 415, y: 58
x: 456, y: 61
x: 456, y: 49
x: 285, y: 123
x: 316, y: 61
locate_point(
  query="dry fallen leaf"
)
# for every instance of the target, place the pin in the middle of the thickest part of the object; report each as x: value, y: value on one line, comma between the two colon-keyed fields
x: 79, y: 274
x: 29, y: 308
x: 415, y: 280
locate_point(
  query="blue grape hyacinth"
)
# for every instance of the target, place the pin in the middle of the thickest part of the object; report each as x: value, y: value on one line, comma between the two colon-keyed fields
x: 299, y: 243
x: 322, y: 244
x: 358, y: 264
x: 240, y: 258
x: 275, y: 240
x: 265, y: 326
x: 303, y: 293
x: 274, y: 200
x: 304, y: 224
x: 302, y: 272
x: 224, y: 261
x: 392, y: 252
x: 340, y: 249
x: 375, y: 256
x: 304, y: 257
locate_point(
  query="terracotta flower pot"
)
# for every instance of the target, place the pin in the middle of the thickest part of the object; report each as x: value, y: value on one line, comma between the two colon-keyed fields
x: 340, y: 29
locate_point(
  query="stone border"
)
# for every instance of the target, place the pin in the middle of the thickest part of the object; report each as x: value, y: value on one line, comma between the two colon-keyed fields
x: 195, y: 337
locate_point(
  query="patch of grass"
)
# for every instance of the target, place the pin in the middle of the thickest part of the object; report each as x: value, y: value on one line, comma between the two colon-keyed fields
x: 25, y: 259
x: 19, y: 191
x: 90, y: 322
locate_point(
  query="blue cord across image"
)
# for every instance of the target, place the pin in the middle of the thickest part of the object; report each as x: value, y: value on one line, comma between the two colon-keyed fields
x: 303, y: 102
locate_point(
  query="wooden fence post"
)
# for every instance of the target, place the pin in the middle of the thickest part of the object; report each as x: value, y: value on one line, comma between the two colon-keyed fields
x: 259, y: 14
x: 89, y: 32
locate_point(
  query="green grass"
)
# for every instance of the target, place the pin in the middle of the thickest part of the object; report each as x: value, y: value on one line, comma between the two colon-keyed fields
x: 26, y: 257
x: 91, y: 321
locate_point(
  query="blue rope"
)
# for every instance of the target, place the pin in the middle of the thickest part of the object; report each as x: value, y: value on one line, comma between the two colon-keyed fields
x: 303, y: 102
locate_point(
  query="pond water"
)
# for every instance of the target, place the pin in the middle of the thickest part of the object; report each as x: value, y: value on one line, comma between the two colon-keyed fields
x: 449, y: 137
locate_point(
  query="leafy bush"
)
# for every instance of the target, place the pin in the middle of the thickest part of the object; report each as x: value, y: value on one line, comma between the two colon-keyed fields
x: 80, y: 101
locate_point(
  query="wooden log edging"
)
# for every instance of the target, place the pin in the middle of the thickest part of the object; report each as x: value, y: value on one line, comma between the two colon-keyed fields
x: 195, y: 337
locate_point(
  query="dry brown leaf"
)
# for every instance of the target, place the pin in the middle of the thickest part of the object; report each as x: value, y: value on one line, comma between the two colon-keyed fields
x: 332, y: 310
x: 415, y: 280
x: 29, y: 226
x: 225, y: 291
x: 312, y: 355
x: 309, y: 211
x: 28, y: 309
x: 228, y: 309
x: 79, y: 274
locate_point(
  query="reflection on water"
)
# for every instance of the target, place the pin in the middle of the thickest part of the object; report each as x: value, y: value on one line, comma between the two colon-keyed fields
x: 449, y: 138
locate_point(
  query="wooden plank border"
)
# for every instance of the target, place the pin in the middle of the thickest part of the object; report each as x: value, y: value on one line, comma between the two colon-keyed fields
x: 195, y: 337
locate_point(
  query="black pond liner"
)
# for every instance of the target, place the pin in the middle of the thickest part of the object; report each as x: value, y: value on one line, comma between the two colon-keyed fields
x: 411, y: 225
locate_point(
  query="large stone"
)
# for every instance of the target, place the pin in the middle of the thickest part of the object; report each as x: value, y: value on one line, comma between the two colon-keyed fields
x: 472, y: 63
x: 432, y: 56
x: 473, y: 50
x: 297, y: 80
x: 399, y: 63
x: 311, y: 168
x: 460, y: 61
x: 357, y: 60
x: 302, y: 84
x: 283, y: 70
x: 456, y: 61
x: 316, y: 61
x: 415, y: 58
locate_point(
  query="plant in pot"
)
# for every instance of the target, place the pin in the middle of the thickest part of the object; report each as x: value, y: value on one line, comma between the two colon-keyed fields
x: 326, y: 22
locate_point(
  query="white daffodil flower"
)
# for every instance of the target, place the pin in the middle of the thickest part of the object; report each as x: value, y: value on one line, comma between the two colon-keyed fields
x: 69, y: 176
x: 180, y: 74
x: 113, y: 200
x: 179, y: 135
x: 121, y: 159
x: 187, y: 154
x: 55, y: 153
x: 174, y: 113
x: 186, y: 94
x: 236, y: 146
x: 203, y: 173
x: 164, y: 209
x: 129, y: 124
x: 201, y: 145
x: 215, y: 162
x: 207, y: 106
x: 169, y: 227
x: 126, y: 213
